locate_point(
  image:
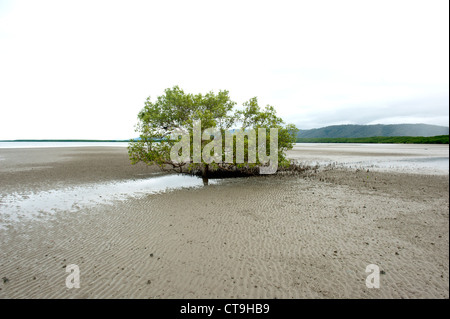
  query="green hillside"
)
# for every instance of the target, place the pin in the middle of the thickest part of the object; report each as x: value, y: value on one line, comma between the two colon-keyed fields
x: 352, y: 131
x: 441, y: 139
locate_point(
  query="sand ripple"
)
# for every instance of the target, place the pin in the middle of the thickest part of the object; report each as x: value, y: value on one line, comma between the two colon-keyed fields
x: 269, y: 237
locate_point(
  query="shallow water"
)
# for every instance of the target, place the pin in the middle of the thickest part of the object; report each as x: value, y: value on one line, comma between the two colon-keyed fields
x: 59, y: 144
x: 409, y: 158
x: 433, y: 166
x: 15, y: 207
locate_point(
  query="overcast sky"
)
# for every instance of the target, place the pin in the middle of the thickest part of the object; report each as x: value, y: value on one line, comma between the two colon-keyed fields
x: 83, y: 69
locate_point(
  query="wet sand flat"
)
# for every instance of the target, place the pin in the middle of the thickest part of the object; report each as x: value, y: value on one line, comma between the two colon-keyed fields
x: 308, y: 236
x: 408, y: 158
x: 46, y: 168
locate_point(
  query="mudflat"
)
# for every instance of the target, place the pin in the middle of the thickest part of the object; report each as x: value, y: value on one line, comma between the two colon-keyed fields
x: 276, y: 236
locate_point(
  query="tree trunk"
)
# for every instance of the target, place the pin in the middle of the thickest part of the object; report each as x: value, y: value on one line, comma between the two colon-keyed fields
x: 205, y: 174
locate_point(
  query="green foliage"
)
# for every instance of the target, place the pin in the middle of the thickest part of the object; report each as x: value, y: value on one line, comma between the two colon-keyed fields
x: 177, y: 112
x: 440, y: 139
x: 351, y: 130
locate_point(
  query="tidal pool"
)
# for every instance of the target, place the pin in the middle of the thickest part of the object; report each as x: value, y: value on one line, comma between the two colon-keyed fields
x: 409, y: 158
x: 18, y: 206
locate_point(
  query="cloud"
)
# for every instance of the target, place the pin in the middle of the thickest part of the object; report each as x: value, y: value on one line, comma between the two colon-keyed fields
x: 84, y: 69
x: 429, y: 110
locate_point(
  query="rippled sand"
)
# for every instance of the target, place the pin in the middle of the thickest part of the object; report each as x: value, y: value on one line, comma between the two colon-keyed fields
x: 266, y: 237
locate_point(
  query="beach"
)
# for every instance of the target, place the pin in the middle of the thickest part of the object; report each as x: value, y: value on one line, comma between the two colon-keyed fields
x: 276, y: 236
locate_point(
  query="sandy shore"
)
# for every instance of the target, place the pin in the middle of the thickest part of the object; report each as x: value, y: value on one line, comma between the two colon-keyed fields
x: 265, y: 237
x: 431, y: 159
x: 48, y: 168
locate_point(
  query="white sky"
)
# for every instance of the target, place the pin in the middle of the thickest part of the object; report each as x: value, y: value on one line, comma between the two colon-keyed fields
x: 83, y: 69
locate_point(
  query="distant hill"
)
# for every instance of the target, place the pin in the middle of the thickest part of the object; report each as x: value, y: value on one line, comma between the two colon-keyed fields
x: 350, y: 130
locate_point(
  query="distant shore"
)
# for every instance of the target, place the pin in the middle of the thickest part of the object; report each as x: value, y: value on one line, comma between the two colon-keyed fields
x: 69, y: 140
x: 308, y: 236
x: 441, y: 139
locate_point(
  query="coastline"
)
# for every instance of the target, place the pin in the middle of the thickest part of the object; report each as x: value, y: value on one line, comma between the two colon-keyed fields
x: 264, y: 237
